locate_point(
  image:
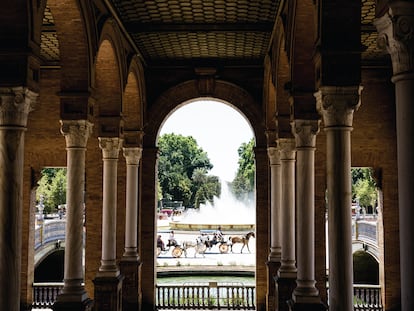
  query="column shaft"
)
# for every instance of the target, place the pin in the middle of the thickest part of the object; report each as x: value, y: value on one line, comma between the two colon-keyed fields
x: 76, y: 134
x: 405, y: 133
x: 337, y: 105
x: 132, y: 156
x: 275, y: 205
x: 110, y: 150
x: 305, y: 132
x: 395, y: 30
x: 14, y: 109
x: 287, y: 159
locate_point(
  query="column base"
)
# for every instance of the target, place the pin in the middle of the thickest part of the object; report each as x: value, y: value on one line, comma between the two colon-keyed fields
x: 61, y: 305
x: 271, y: 296
x: 108, y: 293
x: 131, y: 291
x: 284, y: 288
x: 317, y: 306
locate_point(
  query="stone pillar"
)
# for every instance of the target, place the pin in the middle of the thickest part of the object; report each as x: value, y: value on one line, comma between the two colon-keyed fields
x: 337, y: 105
x: 130, y: 262
x: 15, y: 105
x: 108, y: 281
x: 306, y: 295
x: 74, y: 296
x: 287, y: 273
x: 273, y: 263
x: 395, y: 31
x: 275, y: 204
x: 148, y: 227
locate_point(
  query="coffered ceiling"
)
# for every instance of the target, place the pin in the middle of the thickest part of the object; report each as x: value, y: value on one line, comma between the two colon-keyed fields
x: 189, y: 32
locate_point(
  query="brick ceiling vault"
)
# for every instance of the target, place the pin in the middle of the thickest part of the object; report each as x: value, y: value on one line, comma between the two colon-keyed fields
x: 204, y: 32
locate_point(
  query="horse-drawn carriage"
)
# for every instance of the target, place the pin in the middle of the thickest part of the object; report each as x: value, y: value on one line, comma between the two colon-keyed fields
x: 205, y: 241
x: 212, y: 237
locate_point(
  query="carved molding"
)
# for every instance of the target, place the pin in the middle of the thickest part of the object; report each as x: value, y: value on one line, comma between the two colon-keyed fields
x: 15, y: 105
x: 132, y: 155
x: 271, y: 136
x: 76, y: 132
x: 287, y: 149
x: 110, y: 147
x: 274, y: 155
x: 396, y: 35
x: 337, y: 104
x: 305, y: 132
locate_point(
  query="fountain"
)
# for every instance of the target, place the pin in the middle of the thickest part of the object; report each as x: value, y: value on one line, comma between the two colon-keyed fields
x: 226, y: 212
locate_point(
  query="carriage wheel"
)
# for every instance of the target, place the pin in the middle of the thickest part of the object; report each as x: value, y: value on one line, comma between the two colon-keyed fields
x: 158, y: 251
x: 224, y: 248
x: 177, y: 252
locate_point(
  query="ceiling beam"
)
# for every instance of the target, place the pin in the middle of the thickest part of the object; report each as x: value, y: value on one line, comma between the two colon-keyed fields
x: 198, y: 27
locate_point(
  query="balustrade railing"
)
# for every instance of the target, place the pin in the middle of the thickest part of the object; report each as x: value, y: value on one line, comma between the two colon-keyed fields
x: 367, y: 298
x: 44, y: 294
x: 365, y: 230
x: 230, y: 296
x: 198, y: 296
x: 49, y: 231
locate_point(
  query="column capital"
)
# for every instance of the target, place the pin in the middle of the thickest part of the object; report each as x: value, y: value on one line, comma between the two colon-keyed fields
x: 395, y: 34
x: 15, y: 105
x: 287, y: 148
x: 305, y: 132
x: 271, y: 136
x: 274, y: 155
x: 76, y: 132
x: 132, y: 155
x: 110, y: 146
x: 337, y: 104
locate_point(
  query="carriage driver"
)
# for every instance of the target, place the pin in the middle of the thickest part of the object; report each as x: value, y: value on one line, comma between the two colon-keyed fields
x: 171, y: 239
x: 218, y: 234
x: 160, y: 243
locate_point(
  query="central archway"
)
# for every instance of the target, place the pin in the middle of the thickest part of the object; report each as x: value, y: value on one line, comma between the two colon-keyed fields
x: 168, y: 102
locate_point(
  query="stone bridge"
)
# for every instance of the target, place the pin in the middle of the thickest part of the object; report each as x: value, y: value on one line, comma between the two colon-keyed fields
x: 365, y: 235
x: 49, y: 238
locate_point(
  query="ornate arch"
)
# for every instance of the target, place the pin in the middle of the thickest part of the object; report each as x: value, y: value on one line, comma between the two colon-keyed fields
x: 132, y: 108
x: 269, y: 102
x: 282, y: 80
x: 230, y: 93
x: 109, y: 81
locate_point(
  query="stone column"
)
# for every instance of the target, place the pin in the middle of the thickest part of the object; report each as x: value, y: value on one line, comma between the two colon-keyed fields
x: 337, y: 105
x: 287, y: 272
x: 74, y: 296
x: 130, y: 261
x: 15, y: 105
x: 395, y: 31
x: 275, y: 254
x: 108, y: 281
x: 275, y: 204
x: 306, y: 295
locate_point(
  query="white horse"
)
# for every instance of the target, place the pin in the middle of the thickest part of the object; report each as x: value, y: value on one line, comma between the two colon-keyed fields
x: 198, y: 245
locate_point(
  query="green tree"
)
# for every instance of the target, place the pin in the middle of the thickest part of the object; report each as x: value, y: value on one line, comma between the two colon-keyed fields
x: 182, y: 171
x: 364, y: 189
x: 52, y: 188
x: 243, y: 184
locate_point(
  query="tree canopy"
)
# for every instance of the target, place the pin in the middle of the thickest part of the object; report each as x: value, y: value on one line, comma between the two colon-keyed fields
x: 183, y: 169
x: 52, y: 188
x: 243, y: 184
x: 364, y: 187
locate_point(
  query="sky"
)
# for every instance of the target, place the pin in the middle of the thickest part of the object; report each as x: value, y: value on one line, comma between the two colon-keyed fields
x: 218, y: 129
